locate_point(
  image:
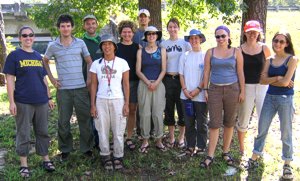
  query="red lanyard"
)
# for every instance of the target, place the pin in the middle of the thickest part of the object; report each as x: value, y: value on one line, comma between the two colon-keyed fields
x: 110, y: 71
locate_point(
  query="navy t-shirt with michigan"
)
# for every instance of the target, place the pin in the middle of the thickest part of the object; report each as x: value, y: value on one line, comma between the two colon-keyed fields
x: 28, y: 69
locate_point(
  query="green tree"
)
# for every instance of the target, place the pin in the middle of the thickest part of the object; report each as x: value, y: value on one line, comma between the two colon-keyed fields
x: 2, y: 48
x: 187, y: 11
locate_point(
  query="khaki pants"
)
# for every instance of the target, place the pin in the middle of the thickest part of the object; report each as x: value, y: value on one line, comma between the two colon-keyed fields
x: 151, y: 104
x: 110, y: 116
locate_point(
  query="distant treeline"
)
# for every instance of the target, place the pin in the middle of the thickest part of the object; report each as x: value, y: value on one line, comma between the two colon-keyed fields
x: 284, y: 8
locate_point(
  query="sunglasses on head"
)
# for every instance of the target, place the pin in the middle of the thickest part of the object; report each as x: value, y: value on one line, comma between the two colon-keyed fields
x: 220, y: 36
x: 152, y: 33
x: 27, y: 35
x: 280, y: 41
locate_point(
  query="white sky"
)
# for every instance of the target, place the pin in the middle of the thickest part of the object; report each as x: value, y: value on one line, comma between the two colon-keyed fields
x: 23, y: 1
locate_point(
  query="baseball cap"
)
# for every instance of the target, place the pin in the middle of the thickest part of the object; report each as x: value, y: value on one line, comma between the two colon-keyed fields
x: 252, y: 25
x: 90, y: 16
x: 144, y: 11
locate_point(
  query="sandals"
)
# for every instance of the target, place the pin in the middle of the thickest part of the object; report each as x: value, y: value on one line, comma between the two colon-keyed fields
x: 118, y: 163
x: 227, y: 157
x: 144, y: 149
x: 170, y: 145
x: 190, y: 152
x: 24, y: 172
x: 287, y: 172
x: 161, y: 148
x: 204, y: 163
x: 129, y: 144
x: 181, y: 145
x: 251, y: 164
x: 48, y: 166
x: 107, y: 163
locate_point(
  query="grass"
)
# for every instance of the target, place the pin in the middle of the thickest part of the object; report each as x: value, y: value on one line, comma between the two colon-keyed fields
x: 157, y: 165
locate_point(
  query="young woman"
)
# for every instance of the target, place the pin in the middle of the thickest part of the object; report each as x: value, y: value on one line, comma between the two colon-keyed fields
x: 110, y: 75
x: 254, y: 55
x: 191, y: 69
x: 29, y: 100
x: 128, y: 50
x: 151, y: 68
x: 279, y: 73
x: 175, y: 47
x: 224, y: 70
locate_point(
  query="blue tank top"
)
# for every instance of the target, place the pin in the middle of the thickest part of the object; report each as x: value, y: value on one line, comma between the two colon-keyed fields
x: 151, y: 64
x: 223, y: 70
x: 280, y: 71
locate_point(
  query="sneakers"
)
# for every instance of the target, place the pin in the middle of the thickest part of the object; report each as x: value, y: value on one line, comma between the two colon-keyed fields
x: 64, y: 156
x: 287, y: 172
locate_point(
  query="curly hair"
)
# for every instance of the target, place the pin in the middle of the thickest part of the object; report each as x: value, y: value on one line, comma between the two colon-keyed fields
x: 127, y: 24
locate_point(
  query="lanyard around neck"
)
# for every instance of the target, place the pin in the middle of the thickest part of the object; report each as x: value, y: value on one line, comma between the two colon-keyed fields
x: 109, y: 71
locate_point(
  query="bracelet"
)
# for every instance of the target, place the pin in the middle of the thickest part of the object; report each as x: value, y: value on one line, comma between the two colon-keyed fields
x: 183, y: 89
x: 50, y: 98
x: 199, y: 88
x: 204, y: 88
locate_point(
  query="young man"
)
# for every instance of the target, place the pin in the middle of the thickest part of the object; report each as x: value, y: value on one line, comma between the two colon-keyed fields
x: 143, y: 19
x: 92, y: 40
x: 72, y: 90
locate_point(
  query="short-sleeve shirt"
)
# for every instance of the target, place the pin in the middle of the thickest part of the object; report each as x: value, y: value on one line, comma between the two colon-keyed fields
x: 68, y: 62
x: 191, y: 66
x: 28, y: 69
x: 174, y: 49
x: 117, y: 67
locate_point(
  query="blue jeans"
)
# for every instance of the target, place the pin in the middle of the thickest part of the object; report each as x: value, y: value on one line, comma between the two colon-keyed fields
x: 283, y: 105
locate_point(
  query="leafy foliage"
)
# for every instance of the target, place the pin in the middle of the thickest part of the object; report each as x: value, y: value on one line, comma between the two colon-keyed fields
x: 187, y: 11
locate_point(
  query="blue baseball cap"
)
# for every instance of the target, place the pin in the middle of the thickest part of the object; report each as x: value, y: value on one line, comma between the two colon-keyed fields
x: 197, y: 33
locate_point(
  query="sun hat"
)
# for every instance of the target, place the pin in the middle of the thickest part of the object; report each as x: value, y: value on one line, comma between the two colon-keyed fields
x: 144, y: 11
x: 108, y: 38
x: 252, y: 25
x: 223, y: 27
x: 195, y: 32
x: 152, y: 29
x: 89, y: 16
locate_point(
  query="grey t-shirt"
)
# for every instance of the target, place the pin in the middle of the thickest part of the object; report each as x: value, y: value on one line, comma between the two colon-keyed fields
x: 68, y: 62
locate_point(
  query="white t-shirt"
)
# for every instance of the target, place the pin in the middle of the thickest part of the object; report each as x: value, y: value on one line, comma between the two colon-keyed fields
x: 191, y: 66
x: 119, y: 66
x: 174, y: 50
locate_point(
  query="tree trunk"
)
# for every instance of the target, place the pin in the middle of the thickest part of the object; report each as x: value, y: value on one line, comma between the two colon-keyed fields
x: 2, y: 49
x: 256, y: 10
x: 154, y: 7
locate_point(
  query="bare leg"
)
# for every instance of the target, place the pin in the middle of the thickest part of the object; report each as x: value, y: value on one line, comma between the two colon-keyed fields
x: 213, y: 140
x: 23, y: 160
x: 131, y: 120
x: 241, y: 137
x: 171, y: 134
x: 227, y: 136
x: 181, y: 134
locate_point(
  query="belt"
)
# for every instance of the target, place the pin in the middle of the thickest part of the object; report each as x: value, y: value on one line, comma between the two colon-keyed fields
x: 172, y: 76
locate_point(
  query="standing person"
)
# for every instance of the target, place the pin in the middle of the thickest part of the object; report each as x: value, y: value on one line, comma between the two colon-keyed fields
x: 151, y: 68
x: 279, y: 73
x: 109, y: 75
x: 175, y: 47
x: 224, y: 70
x: 92, y: 39
x: 128, y: 50
x: 191, y: 69
x: 143, y: 19
x: 72, y: 90
x: 29, y: 100
x: 254, y: 55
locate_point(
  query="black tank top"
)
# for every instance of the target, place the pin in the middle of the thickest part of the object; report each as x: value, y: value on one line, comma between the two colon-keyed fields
x: 253, y: 65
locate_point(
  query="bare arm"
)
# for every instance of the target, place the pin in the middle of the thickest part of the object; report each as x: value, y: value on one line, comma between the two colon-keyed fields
x: 264, y: 78
x: 139, y: 68
x: 286, y: 80
x: 50, y: 102
x: 206, y: 74
x: 93, y: 90
x: 163, y: 65
x: 267, y: 51
x: 10, y: 79
x: 184, y: 89
x: 126, y: 90
x: 240, y: 73
x: 53, y: 81
x: 89, y: 62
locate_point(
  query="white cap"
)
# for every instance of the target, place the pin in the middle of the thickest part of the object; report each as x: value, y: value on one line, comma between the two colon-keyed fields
x: 144, y: 11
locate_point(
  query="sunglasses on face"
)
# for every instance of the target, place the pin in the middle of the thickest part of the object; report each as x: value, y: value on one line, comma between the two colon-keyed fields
x: 153, y: 33
x: 220, y: 36
x: 280, y: 41
x: 27, y: 35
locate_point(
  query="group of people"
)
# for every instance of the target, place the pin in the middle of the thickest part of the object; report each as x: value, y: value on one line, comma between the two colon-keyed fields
x: 138, y: 82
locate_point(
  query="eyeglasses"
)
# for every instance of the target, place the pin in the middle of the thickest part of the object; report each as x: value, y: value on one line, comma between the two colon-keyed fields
x: 220, y: 36
x: 153, y: 33
x: 27, y: 35
x: 280, y: 41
